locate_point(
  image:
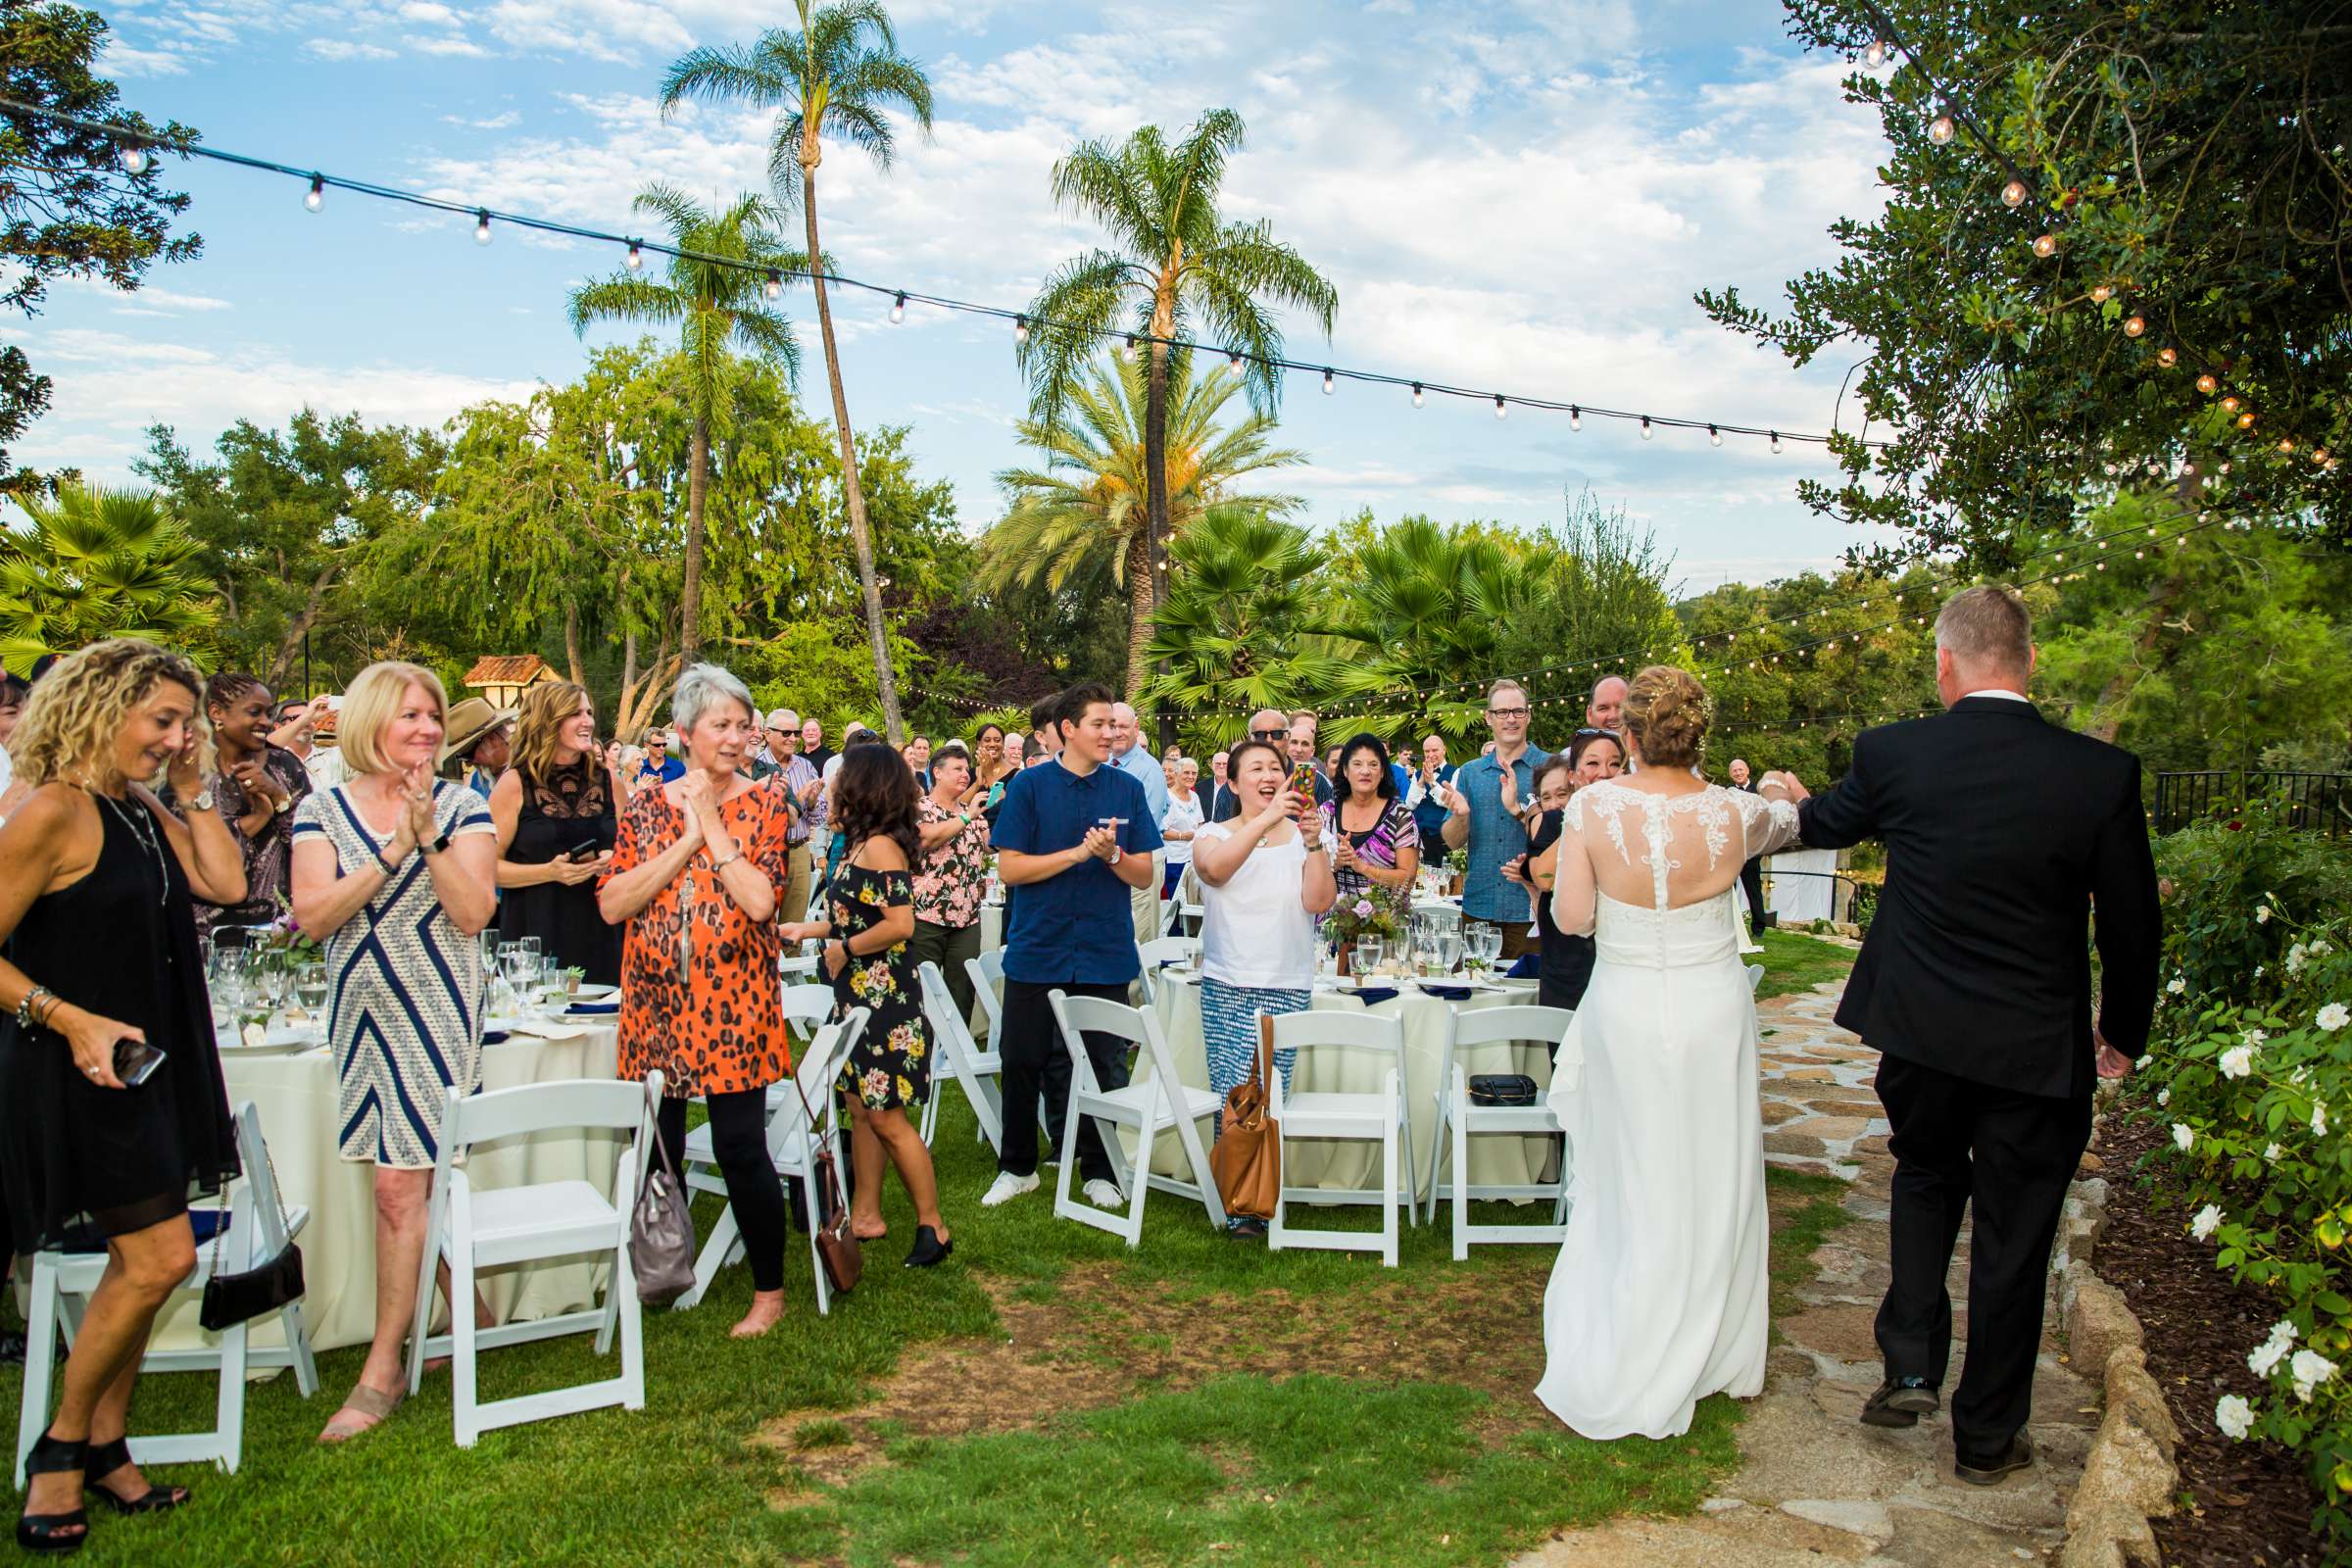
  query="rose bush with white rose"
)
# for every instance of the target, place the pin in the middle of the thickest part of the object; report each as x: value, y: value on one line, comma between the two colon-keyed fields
x: 2249, y: 1071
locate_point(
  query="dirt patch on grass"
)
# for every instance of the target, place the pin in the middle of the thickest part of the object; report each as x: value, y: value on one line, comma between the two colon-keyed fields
x: 1101, y: 1340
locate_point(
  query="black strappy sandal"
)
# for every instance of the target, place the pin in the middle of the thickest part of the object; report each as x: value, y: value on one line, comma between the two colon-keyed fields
x: 103, y: 1459
x: 55, y: 1533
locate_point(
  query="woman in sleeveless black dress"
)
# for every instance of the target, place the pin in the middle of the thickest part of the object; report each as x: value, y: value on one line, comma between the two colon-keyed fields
x: 559, y: 799
x: 95, y: 906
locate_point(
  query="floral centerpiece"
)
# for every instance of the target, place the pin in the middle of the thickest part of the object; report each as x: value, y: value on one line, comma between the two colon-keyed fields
x: 1373, y: 914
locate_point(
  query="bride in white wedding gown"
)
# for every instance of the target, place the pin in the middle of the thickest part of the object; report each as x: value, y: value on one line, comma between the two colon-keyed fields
x: 1659, y: 1295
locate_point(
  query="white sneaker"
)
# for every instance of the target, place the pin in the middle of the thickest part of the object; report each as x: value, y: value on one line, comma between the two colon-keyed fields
x: 1007, y: 1187
x: 1103, y: 1195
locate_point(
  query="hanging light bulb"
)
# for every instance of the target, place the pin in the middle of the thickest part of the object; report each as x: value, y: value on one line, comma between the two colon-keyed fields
x: 1876, y: 55
x: 2319, y: 455
x: 1646, y: 432
x: 1776, y: 443
x: 1232, y: 363
x: 2246, y: 421
x: 898, y: 308
x: 1576, y: 418
x: 1940, y: 130
x: 2046, y: 246
x: 2230, y: 404
x: 481, y: 228
x: 1127, y: 350
x: 1327, y: 383
x: 1416, y: 394
x: 2207, y: 384
x: 2168, y: 357
x: 1714, y: 437
x: 316, y: 197
x: 775, y: 284
x: 636, y: 257
x: 1501, y: 409
x: 2286, y: 446
x: 2101, y: 294
x: 2133, y: 325
x: 1020, y: 330
x: 2014, y: 193
x: 133, y: 158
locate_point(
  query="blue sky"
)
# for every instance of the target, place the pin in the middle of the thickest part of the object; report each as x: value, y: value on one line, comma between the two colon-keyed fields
x: 1515, y: 195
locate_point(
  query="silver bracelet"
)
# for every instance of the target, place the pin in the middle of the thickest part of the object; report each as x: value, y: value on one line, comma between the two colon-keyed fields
x: 26, y: 1007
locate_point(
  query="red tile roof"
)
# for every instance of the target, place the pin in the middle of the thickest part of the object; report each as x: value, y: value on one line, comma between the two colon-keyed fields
x: 506, y: 670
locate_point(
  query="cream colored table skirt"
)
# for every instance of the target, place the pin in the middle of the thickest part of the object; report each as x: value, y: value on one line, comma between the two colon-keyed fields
x: 296, y: 1096
x: 1318, y: 1162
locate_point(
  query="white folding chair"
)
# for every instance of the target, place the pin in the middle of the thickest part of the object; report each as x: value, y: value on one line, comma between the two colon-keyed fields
x: 792, y: 1145
x: 1458, y: 1121
x: 988, y: 985
x: 260, y: 1226
x: 805, y: 1008
x: 495, y: 1226
x: 953, y: 1054
x: 1330, y: 1114
x: 1151, y: 1107
x: 1157, y: 952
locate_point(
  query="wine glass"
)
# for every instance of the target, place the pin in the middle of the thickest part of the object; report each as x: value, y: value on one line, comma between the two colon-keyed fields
x: 1369, y: 950
x: 311, y: 990
x: 277, y: 984
x: 1450, y: 952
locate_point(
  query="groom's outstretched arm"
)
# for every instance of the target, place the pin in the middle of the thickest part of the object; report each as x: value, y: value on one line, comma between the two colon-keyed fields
x: 1845, y: 815
x: 2126, y: 923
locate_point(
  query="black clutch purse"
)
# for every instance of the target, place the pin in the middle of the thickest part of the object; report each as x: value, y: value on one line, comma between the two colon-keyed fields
x: 233, y: 1298
x: 1501, y: 1089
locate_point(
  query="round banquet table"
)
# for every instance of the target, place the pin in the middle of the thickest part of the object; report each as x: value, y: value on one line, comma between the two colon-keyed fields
x: 296, y: 1095
x: 1318, y: 1162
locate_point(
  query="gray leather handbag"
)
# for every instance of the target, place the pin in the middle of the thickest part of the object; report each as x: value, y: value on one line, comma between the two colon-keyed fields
x: 660, y: 1230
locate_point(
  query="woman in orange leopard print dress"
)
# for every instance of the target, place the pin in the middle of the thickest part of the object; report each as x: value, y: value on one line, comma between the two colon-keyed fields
x: 695, y: 873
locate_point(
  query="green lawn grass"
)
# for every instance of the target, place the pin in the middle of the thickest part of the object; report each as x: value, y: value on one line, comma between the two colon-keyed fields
x: 1358, y: 1464
x: 1793, y: 964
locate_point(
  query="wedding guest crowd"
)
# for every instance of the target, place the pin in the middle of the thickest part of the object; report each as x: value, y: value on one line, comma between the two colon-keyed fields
x: 393, y: 871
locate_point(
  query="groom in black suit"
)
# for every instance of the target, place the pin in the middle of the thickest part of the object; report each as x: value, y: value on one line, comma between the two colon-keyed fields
x: 2002, y: 832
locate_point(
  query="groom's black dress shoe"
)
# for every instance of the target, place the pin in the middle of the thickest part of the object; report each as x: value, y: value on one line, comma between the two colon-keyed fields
x: 1989, y: 1472
x: 1900, y: 1403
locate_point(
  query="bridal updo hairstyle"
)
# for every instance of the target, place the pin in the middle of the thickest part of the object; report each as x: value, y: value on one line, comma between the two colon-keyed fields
x: 1666, y: 712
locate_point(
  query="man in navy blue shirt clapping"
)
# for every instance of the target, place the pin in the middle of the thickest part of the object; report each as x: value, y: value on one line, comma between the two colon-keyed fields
x: 1074, y: 841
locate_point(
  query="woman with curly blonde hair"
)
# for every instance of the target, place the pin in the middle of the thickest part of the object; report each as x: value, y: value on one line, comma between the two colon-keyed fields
x: 111, y: 1110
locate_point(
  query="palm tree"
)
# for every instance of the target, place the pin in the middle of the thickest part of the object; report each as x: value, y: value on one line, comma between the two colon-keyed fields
x: 1172, y: 261
x: 96, y: 563
x: 840, y: 71
x: 1086, y: 502
x: 1236, y: 632
x: 717, y: 308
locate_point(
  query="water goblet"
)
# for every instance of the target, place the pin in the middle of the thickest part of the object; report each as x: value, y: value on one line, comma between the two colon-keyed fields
x: 1369, y: 950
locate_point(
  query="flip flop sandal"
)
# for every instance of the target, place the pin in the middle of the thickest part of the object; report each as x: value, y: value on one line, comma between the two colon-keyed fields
x: 376, y: 1406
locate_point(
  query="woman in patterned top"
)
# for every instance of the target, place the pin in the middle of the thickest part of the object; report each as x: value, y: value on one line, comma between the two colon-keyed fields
x: 1379, y: 843
x: 258, y: 786
x: 392, y: 870
x: 953, y: 875
x: 871, y: 960
x: 695, y: 874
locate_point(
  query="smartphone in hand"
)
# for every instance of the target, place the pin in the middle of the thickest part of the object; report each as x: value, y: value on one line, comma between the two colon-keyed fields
x: 584, y: 851
x: 135, y: 1061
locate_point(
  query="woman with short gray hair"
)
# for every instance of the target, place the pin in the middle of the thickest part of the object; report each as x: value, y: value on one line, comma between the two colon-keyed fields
x: 694, y: 874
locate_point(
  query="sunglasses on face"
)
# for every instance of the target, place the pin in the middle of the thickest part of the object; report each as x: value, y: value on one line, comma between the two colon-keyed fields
x: 1268, y: 734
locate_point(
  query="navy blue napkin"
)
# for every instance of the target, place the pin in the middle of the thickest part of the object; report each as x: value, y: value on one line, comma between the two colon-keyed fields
x: 1369, y: 995
x: 584, y: 1007
x: 494, y: 1037
x: 1449, y: 993
x: 1530, y: 965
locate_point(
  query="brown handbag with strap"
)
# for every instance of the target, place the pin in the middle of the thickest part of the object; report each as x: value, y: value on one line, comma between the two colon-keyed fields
x: 837, y: 1244
x: 1248, y: 1159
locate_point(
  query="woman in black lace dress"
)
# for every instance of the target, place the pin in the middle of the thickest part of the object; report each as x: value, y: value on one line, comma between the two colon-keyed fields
x: 96, y: 884
x: 555, y: 810
x: 869, y: 957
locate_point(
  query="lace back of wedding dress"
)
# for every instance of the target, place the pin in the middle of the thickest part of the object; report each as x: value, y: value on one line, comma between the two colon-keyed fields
x: 1663, y: 881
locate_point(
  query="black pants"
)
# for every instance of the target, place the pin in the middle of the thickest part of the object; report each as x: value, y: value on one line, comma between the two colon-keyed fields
x: 739, y: 1140
x: 1034, y: 1057
x: 1959, y: 1145
x: 1751, y: 883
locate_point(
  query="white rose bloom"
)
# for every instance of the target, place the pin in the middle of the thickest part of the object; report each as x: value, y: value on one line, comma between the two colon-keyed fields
x: 2333, y: 1016
x: 2255, y: 1037
x: 2261, y: 914
x: 2318, y: 1121
x: 2272, y: 1350
x: 2179, y: 984
x: 2319, y: 944
x: 2238, y: 1061
x: 2234, y: 1416
x: 2272, y: 1153
x: 2295, y: 956
x: 2182, y: 1137
x: 2308, y: 1369
x: 2208, y: 1220
x: 2164, y: 1096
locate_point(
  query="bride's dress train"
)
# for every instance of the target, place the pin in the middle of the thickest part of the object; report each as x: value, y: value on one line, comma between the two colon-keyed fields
x: 1659, y: 1295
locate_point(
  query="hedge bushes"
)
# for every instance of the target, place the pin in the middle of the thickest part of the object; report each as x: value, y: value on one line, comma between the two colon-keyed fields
x: 2251, y: 1072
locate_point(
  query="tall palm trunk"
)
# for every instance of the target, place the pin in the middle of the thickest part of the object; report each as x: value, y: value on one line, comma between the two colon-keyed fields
x: 1155, y: 492
x: 853, y: 493
x: 697, y: 479
x: 1139, y: 610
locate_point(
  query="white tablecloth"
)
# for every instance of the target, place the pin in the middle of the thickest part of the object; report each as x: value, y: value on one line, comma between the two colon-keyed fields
x: 296, y: 1096
x: 1494, y: 1160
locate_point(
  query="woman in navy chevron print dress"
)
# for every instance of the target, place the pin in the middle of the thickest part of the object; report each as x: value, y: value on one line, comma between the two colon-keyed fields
x: 393, y: 871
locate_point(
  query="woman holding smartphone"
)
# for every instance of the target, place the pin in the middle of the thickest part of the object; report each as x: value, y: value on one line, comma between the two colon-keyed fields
x: 557, y: 811
x: 111, y: 1110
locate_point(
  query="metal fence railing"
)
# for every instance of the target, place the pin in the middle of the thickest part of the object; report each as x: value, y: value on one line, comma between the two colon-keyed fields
x: 2312, y: 803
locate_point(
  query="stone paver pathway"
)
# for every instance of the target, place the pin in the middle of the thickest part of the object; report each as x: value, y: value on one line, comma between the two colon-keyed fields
x: 1815, y: 1486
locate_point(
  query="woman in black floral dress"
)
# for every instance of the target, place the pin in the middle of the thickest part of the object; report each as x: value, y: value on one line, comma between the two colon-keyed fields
x: 871, y: 963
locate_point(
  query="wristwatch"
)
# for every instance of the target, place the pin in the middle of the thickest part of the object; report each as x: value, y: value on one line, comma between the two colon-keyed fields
x: 440, y: 846
x: 202, y: 801
x: 1117, y: 853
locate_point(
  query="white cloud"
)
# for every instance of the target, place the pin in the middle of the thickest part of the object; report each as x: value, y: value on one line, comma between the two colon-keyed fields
x: 428, y: 44
x: 342, y: 49
x: 429, y: 14
x: 505, y: 121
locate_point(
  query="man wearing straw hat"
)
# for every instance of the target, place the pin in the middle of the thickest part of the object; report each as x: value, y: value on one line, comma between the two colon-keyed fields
x: 475, y: 743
